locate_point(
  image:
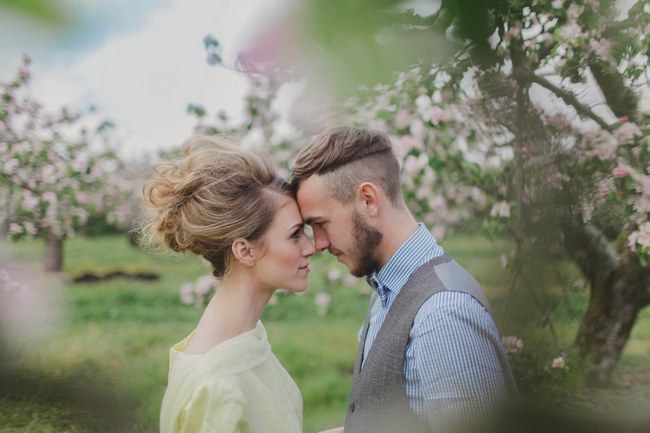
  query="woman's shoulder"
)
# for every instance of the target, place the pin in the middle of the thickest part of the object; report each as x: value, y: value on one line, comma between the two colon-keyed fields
x: 216, y: 387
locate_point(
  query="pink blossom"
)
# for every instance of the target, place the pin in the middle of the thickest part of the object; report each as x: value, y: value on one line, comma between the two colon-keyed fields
x: 438, y: 115
x: 605, y: 187
x: 402, y: 145
x: 622, y: 170
x: 422, y: 192
x: 30, y: 228
x: 423, y: 102
x: 10, y: 166
x: 412, y: 164
x: 626, y: 132
x: 436, y: 202
x: 642, y: 205
x: 514, y: 32
x: 50, y: 197
x: 477, y: 195
x: 640, y: 237
x: 571, y: 32
x: 48, y: 174
x: 402, y: 119
x: 559, y: 362
x: 438, y: 231
x: 574, y: 11
x: 187, y: 294
x: 334, y: 274
x: 322, y: 299
x: 350, y: 280
x: 417, y: 129
x: 501, y: 209
x: 512, y: 344
x: 601, y: 48
x: 204, y: 284
x: 604, y: 152
x: 29, y: 200
x: 15, y: 229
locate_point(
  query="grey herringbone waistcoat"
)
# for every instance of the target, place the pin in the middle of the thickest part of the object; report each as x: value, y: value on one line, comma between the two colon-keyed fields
x: 378, y: 401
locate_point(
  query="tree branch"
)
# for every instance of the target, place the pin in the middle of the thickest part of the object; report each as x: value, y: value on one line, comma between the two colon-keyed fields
x: 590, y: 249
x: 566, y: 96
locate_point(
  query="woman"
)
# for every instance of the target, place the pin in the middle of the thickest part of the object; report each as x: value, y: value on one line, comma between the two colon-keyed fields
x: 228, y: 205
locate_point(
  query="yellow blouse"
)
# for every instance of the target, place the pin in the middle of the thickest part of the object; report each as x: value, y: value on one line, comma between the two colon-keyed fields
x: 237, y: 386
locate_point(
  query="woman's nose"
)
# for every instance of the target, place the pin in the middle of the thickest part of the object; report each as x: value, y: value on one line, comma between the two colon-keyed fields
x: 309, y: 248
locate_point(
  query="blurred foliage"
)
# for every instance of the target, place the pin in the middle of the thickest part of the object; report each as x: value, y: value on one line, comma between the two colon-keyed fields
x: 47, y: 11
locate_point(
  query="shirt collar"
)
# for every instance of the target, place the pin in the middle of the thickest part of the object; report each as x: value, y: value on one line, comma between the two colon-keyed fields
x: 393, y: 275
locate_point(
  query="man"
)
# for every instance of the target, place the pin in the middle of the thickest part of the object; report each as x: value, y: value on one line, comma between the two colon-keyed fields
x: 430, y: 354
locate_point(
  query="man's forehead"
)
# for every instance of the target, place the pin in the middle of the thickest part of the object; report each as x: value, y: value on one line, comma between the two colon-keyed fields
x: 313, y: 183
x: 311, y: 198
x: 311, y: 190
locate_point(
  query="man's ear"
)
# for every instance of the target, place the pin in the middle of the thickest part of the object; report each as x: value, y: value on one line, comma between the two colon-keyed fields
x: 241, y: 249
x: 369, y: 199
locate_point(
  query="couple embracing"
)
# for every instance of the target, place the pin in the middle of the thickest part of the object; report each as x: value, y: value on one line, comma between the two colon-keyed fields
x: 430, y: 355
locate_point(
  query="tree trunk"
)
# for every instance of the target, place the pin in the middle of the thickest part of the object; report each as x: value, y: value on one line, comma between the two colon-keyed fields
x: 605, y: 329
x: 620, y: 288
x: 53, y: 261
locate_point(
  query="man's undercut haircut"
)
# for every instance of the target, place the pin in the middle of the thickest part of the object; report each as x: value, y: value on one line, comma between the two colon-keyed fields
x: 347, y: 157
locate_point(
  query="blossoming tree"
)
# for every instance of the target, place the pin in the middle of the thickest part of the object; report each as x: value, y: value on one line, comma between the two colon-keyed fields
x: 52, y: 171
x: 533, y: 118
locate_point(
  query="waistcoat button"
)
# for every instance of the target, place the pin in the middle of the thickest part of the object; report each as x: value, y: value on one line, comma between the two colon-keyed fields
x: 351, y: 407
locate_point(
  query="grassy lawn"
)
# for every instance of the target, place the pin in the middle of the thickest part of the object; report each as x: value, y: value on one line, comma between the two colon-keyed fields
x: 100, y: 364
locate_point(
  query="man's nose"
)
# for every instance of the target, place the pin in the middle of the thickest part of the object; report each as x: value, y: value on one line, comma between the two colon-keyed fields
x: 321, y: 242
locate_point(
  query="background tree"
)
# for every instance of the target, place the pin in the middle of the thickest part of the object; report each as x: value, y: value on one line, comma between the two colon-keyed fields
x: 52, y: 170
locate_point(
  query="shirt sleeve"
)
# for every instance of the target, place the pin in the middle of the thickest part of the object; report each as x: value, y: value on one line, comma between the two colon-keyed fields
x: 455, y: 363
x: 216, y: 407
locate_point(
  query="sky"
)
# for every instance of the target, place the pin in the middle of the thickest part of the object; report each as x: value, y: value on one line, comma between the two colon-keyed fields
x: 138, y: 62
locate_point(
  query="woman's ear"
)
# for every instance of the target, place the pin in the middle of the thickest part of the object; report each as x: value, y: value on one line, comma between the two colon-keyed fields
x: 241, y: 249
x: 368, y: 199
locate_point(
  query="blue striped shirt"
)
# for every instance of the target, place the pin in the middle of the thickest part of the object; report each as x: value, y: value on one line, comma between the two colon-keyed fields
x: 454, y: 363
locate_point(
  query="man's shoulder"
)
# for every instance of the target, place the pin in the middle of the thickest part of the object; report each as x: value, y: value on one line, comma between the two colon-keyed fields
x: 447, y: 308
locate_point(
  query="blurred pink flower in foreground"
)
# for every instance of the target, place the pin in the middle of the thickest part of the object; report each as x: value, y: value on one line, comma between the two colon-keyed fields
x: 29, y: 306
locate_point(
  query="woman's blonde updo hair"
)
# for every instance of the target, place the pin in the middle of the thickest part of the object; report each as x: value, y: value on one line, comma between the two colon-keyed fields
x: 214, y: 193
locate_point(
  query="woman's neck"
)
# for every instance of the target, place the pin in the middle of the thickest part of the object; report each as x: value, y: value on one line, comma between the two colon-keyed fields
x: 235, y: 308
x: 239, y: 303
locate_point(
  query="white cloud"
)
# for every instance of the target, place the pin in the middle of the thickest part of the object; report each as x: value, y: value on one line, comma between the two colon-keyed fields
x: 144, y: 79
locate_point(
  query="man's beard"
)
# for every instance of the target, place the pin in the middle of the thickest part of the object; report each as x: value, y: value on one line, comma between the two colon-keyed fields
x: 364, y: 250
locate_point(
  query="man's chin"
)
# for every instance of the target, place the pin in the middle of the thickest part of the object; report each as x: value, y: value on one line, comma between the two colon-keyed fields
x: 357, y: 271
x: 353, y: 269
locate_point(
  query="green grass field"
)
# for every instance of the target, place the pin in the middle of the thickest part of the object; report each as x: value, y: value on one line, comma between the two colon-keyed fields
x: 100, y: 364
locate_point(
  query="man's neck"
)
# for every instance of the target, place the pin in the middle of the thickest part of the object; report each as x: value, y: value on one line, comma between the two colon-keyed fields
x: 397, y: 228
